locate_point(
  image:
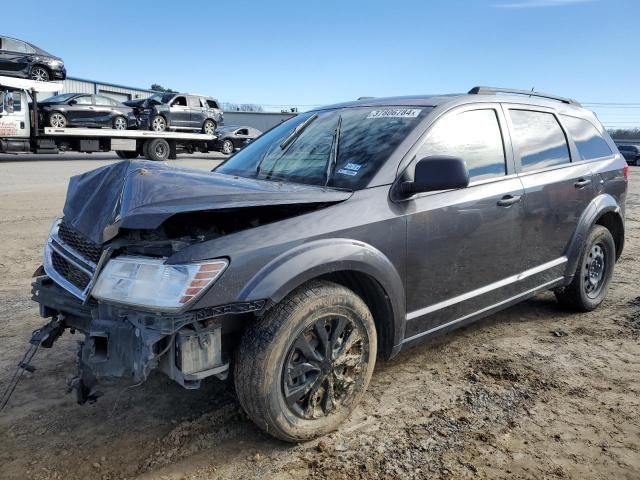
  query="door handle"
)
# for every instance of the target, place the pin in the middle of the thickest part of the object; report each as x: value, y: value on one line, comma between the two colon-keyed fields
x: 583, y: 182
x: 509, y: 200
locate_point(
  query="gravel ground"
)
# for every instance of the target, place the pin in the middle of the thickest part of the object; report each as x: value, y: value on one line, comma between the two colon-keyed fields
x: 532, y: 392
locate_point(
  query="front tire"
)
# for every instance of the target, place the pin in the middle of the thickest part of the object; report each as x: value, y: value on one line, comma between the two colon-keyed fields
x: 39, y: 74
x: 227, y: 147
x: 302, y: 369
x: 590, y: 283
x: 57, y: 120
x: 158, y: 123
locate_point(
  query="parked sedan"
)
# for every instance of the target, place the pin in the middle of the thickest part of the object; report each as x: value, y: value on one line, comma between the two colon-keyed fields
x: 85, y: 110
x: 234, y: 137
x: 631, y: 153
x: 178, y: 111
x: 24, y: 60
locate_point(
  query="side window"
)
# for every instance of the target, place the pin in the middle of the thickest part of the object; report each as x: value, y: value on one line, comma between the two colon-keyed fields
x: 475, y: 137
x: 242, y: 131
x: 179, y: 101
x: 194, y: 102
x: 588, y: 140
x: 539, y: 139
x: 12, y: 45
x: 84, y: 100
x: 104, y: 101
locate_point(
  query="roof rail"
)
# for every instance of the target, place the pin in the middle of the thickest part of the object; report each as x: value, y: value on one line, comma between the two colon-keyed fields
x: 529, y: 93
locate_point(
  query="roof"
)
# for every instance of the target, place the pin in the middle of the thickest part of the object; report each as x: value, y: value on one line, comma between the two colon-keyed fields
x: 476, y: 94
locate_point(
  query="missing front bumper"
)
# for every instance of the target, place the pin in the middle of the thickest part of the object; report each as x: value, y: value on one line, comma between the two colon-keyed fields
x: 130, y: 344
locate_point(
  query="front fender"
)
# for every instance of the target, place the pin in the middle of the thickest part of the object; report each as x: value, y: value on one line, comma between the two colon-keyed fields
x: 603, y: 203
x: 313, y: 259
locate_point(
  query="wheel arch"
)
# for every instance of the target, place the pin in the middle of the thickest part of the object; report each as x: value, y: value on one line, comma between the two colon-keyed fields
x: 612, y: 221
x: 353, y: 264
x: 41, y: 65
x: 603, y: 210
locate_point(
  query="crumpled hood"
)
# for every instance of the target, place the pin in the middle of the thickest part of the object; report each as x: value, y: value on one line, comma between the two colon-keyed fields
x: 143, y: 194
x: 135, y: 103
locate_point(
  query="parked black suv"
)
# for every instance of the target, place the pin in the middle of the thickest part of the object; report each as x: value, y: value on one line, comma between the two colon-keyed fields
x: 178, y: 111
x: 22, y: 59
x: 631, y: 153
x: 341, y: 236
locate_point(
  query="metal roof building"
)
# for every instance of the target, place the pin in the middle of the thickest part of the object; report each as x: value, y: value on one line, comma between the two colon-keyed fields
x: 117, y: 92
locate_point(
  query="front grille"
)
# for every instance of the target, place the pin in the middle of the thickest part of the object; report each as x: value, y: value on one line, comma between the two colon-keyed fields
x: 70, y: 272
x: 79, y: 243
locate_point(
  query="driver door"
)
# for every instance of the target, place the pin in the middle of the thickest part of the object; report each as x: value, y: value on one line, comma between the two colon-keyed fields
x: 463, y: 245
x: 179, y: 113
x: 81, y: 111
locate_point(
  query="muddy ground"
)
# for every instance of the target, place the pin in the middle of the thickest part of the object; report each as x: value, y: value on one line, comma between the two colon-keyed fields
x: 532, y: 392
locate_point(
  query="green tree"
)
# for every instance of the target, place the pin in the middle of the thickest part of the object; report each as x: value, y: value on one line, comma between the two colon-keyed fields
x: 159, y: 88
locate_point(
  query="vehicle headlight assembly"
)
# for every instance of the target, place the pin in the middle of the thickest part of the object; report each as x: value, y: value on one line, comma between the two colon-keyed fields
x: 149, y: 283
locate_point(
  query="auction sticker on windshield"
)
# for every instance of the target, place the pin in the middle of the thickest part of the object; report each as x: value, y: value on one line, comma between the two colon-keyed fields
x: 395, y: 113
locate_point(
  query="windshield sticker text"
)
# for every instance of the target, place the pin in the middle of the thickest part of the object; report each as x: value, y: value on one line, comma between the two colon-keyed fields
x: 395, y: 113
x: 352, y: 166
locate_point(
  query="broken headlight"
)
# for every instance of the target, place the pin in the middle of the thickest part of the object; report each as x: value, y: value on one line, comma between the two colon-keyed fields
x: 149, y: 283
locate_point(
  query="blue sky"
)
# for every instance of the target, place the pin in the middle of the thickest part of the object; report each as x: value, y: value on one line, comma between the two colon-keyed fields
x: 308, y: 53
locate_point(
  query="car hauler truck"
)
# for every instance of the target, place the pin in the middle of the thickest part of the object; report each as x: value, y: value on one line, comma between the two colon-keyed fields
x: 20, y: 132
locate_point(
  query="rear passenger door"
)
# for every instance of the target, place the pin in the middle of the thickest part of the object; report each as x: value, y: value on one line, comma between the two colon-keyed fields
x: 558, y: 187
x: 197, y: 116
x: 463, y: 245
x: 104, y: 110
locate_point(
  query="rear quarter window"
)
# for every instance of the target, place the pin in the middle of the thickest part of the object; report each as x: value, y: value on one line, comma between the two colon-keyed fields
x: 539, y: 139
x: 588, y: 140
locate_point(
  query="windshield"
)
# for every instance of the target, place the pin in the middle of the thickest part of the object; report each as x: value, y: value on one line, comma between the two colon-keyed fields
x: 162, y: 97
x: 341, y: 148
x: 59, y: 98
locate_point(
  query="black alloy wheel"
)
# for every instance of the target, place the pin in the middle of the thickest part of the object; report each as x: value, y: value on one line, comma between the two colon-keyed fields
x: 323, y: 365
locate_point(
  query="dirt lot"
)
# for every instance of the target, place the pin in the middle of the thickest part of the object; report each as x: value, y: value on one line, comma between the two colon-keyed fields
x: 533, y: 392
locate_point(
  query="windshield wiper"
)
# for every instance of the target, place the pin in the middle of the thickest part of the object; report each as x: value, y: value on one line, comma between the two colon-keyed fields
x: 335, y: 150
x: 297, y: 131
x: 289, y: 140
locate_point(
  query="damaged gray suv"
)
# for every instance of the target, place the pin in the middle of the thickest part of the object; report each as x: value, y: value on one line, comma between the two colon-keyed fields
x: 339, y: 237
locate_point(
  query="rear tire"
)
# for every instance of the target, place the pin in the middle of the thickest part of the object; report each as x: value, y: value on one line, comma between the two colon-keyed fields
x: 157, y: 150
x: 590, y: 283
x: 57, y: 120
x: 209, y: 127
x: 302, y: 369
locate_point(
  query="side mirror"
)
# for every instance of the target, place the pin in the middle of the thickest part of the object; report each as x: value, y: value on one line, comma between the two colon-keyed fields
x: 438, y: 173
x: 73, y: 102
